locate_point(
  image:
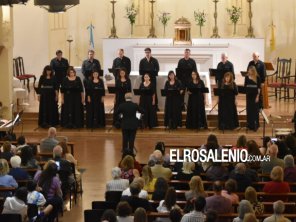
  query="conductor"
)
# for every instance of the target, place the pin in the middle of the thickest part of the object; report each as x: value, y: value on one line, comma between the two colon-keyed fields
x: 129, y: 123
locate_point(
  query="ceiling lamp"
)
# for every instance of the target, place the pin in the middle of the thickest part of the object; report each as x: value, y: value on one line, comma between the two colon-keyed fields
x: 56, y: 6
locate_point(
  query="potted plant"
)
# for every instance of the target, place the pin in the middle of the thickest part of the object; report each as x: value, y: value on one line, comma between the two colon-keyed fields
x: 234, y: 15
x: 200, y: 19
x: 164, y: 18
x: 131, y: 14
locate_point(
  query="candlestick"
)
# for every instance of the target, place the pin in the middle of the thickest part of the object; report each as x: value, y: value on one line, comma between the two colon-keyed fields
x: 215, y: 29
x: 250, y: 28
x: 113, y: 29
x: 152, y: 28
x: 70, y: 40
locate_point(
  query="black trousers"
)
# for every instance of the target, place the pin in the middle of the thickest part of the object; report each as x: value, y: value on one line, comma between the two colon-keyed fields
x: 128, y: 140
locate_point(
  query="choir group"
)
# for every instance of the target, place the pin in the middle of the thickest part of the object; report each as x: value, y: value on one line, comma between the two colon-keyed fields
x: 88, y: 94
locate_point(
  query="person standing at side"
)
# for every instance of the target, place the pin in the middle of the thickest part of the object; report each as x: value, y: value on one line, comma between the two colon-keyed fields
x: 227, y: 111
x: 121, y: 62
x: 90, y: 64
x: 48, y: 99
x: 252, y: 82
x: 60, y: 66
x: 196, y: 113
x: 95, y: 110
x: 72, y: 100
x: 129, y: 123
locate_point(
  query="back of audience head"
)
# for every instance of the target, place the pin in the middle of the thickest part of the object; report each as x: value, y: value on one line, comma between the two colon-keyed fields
x: 251, y: 194
x: 289, y: 161
x: 211, y: 216
x: 161, y: 184
x: 240, y: 168
x: 135, y: 189
x: 116, y: 173
x: 21, y: 140
x: 231, y: 186
x: 52, y: 132
x: 244, y: 207
x: 26, y: 154
x: 157, y: 155
x: 277, y: 174
x: 161, y: 147
x: 278, y: 207
x: 109, y: 215
x: 170, y: 198
x: 266, y: 141
x: 217, y: 187
x: 127, y: 163
x: 31, y: 185
x: 241, y: 141
x: 147, y: 174
x: 123, y: 209
x: 4, y: 167
x: 200, y: 203
x: 140, y: 181
x: 175, y: 215
x: 212, y: 139
x: 250, y: 217
x: 290, y: 141
x: 64, y: 146
x: 140, y: 215
x: 6, y: 146
x: 49, y: 172
x: 188, y: 167
x: 57, y: 151
x: 15, y: 161
x: 21, y: 193
x: 253, y: 148
x: 273, y: 150
x: 196, y: 185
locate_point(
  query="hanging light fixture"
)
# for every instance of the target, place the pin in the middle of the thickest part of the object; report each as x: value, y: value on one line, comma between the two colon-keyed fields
x: 56, y: 6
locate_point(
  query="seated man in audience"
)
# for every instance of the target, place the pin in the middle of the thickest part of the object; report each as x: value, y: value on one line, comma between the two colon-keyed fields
x: 267, y: 166
x: 217, y: 202
x: 16, y: 171
x: 47, y: 144
x: 158, y: 170
x: 117, y: 184
x: 134, y: 200
x: 240, y: 175
x: 143, y: 193
x: 278, y: 210
x: 197, y: 214
x: 21, y: 143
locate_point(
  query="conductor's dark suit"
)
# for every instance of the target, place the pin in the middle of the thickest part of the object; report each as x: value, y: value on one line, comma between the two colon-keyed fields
x: 129, y: 124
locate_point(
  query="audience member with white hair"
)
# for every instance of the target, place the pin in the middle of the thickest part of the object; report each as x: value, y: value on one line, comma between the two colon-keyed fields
x: 117, y: 184
x: 158, y: 170
x: 240, y: 175
x: 290, y: 170
x: 267, y: 166
x: 47, y: 144
x: 16, y: 171
x: 187, y: 171
x: 225, y: 65
x: 278, y: 210
x: 143, y: 193
x: 244, y: 207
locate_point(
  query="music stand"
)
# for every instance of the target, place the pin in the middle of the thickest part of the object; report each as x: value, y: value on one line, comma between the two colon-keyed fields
x: 114, y: 71
x: 169, y: 92
x: 268, y: 66
x: 150, y: 72
x: 218, y: 74
x: 101, y: 72
x: 183, y: 74
x: 139, y: 92
x: 265, y: 121
x: 198, y: 90
x: 16, y: 120
x: 101, y: 91
x: 244, y: 73
x: 112, y: 89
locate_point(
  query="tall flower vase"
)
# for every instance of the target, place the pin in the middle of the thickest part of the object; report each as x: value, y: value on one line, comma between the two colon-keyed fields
x: 200, y: 32
x: 234, y: 29
x: 132, y: 29
x: 164, y: 31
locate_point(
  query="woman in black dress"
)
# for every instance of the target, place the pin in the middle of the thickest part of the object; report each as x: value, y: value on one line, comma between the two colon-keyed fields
x: 173, y: 102
x: 147, y: 102
x: 48, y: 98
x: 253, y: 86
x: 196, y: 113
x: 123, y: 86
x: 227, y: 112
x: 72, y: 100
x: 95, y: 111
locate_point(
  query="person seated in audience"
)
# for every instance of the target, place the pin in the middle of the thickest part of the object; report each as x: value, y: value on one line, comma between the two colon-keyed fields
x: 240, y: 175
x: 283, y: 149
x: 160, y: 189
x: 143, y: 193
x: 17, y: 203
x: 251, y: 196
x: 128, y: 170
x: 244, y: 207
x: 290, y: 142
x: 134, y: 200
x: 109, y: 216
x: 250, y: 217
x: 217, y: 201
x: 169, y: 201
x: 277, y: 185
x: 229, y: 191
x: 124, y: 212
x: 266, y: 144
x: 217, y: 172
x: 47, y: 144
x: 212, y: 216
x: 196, y: 188
x: 117, y: 184
x: 16, y: 171
x: 241, y: 142
x: 140, y: 215
x: 28, y: 159
x: 158, y: 170
x: 253, y: 148
x: 290, y: 170
x: 187, y: 171
x: 278, y: 210
x: 197, y: 214
x: 5, y: 179
x: 149, y: 180
x: 21, y: 142
x: 160, y: 147
x: 267, y: 166
x: 65, y: 170
x: 175, y: 215
x: 6, y: 153
x: 34, y: 196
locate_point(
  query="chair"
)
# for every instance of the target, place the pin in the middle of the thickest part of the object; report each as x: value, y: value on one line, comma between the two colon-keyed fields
x: 19, y: 72
x: 113, y: 196
x: 93, y: 215
x: 11, y: 217
x: 291, y: 85
x: 103, y: 205
x: 280, y: 78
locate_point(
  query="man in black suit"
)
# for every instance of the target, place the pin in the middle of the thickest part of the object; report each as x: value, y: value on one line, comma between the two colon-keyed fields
x: 121, y: 62
x: 90, y: 64
x: 129, y: 123
x: 60, y: 66
x: 225, y: 65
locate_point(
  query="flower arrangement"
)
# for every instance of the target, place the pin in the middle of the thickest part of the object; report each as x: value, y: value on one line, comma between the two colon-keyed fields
x: 131, y: 14
x: 200, y: 19
x: 234, y: 13
x: 164, y: 18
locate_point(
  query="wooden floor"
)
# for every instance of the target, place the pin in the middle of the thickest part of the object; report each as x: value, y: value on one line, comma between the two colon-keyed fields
x: 98, y: 151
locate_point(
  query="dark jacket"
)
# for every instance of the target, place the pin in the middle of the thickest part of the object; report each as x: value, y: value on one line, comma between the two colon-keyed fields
x: 136, y: 202
x: 128, y: 110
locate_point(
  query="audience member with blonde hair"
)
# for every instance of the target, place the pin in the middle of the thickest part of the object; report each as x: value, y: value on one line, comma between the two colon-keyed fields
x: 251, y: 196
x: 5, y: 179
x: 187, y: 171
x: 148, y: 179
x: 277, y: 185
x: 196, y: 188
x: 243, y: 208
x: 278, y: 210
x: 140, y: 215
x: 267, y: 166
x: 229, y: 191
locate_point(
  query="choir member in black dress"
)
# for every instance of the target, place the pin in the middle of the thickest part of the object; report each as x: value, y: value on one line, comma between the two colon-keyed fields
x: 225, y: 65
x: 48, y: 98
x: 123, y: 86
x: 253, y: 85
x: 227, y: 112
x: 90, y: 64
x: 95, y: 111
x: 60, y: 66
x: 72, y: 100
x: 147, y: 102
x: 122, y: 62
x: 173, y: 102
x: 196, y: 114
